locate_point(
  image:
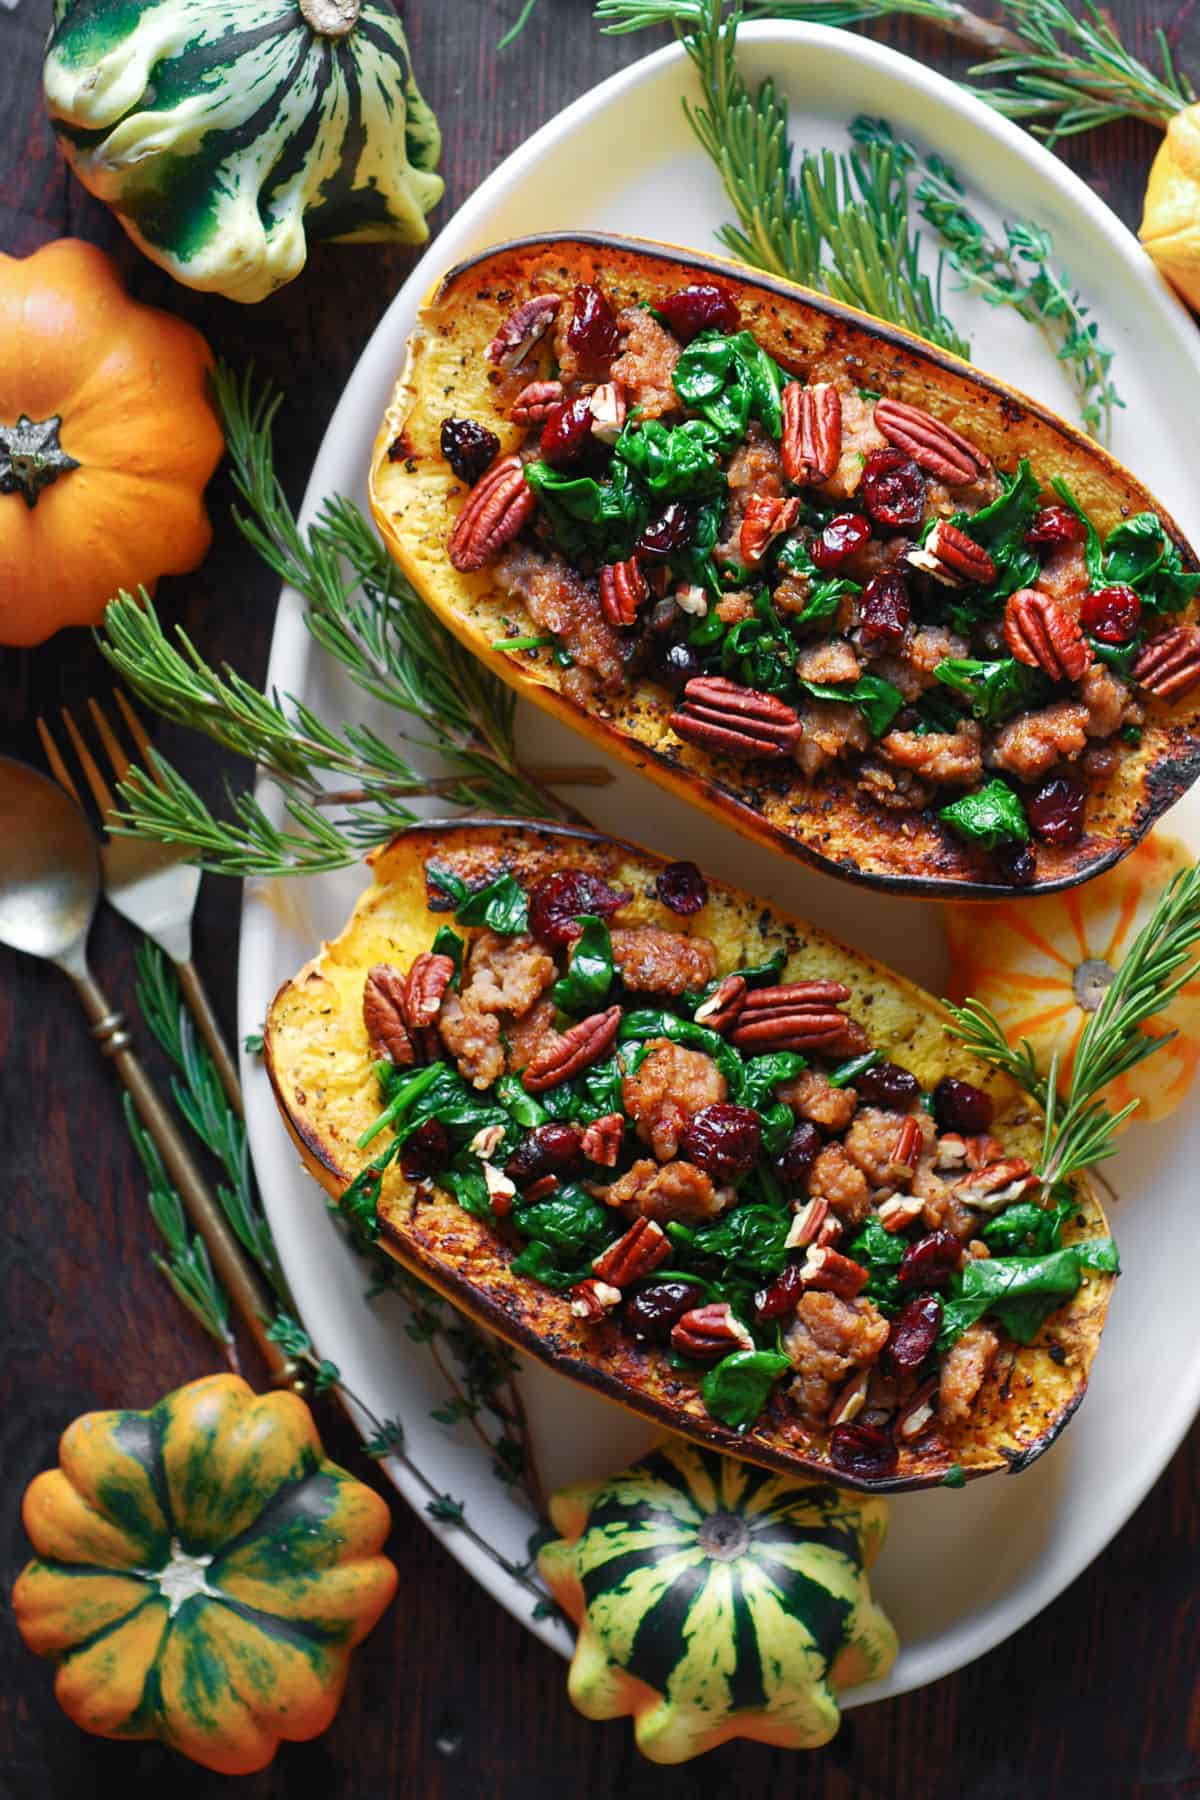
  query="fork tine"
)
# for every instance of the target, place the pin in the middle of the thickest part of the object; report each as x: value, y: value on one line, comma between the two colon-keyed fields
x: 58, y: 767
x: 137, y: 732
x: 108, y: 737
x: 87, y: 763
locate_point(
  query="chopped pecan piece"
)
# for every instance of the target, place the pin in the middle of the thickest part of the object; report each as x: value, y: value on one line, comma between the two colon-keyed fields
x: 710, y: 1331
x: 899, y: 1211
x: 643, y: 1247
x: 602, y: 1139
x: 812, y: 432
x: 933, y: 446
x: 798, y: 1015
x: 832, y: 1273
x: 1169, y: 665
x: 731, y: 720
x: 806, y: 1226
x: 764, y: 519
x: 919, y: 1413
x: 607, y: 404
x: 593, y: 1300
x: 579, y: 1048
x: 953, y: 558
x: 535, y: 402
x: 990, y: 1189
x: 522, y: 329
x: 851, y: 1399
x: 723, y: 1005
x: 495, y: 511
x: 1041, y: 633
x: 383, y: 1016
x: 623, y: 588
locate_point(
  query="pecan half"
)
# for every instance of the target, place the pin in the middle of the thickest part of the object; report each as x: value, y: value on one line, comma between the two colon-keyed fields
x: 723, y: 1004
x: 608, y: 411
x: 918, y: 1415
x: 1041, y: 633
x: 710, y: 1331
x: 424, y: 988
x: 593, y: 1300
x: 576, y: 1049
x: 807, y: 1224
x: 765, y: 519
x: 535, y: 402
x: 1000, y: 1183
x: 633, y: 1256
x: 832, y: 1273
x: 953, y: 558
x: 1169, y: 665
x: 522, y: 329
x: 812, y: 432
x: 731, y: 720
x: 383, y: 1016
x: 495, y: 511
x: 933, y: 446
x: 602, y: 1139
x: 799, y: 1015
x: 623, y: 588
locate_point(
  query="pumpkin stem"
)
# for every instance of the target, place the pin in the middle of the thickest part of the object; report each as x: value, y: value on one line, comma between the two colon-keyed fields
x: 330, y: 18
x: 31, y: 457
x: 1091, y: 982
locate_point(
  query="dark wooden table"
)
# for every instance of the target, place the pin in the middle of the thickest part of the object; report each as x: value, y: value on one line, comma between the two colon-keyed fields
x: 450, y: 1697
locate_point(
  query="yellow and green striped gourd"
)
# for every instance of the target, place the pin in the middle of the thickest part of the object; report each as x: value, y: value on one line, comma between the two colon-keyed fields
x: 716, y: 1600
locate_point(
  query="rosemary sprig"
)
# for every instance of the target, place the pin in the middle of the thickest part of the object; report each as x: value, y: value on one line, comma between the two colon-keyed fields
x: 1018, y: 272
x: 186, y: 1264
x: 1081, y: 1130
x: 1066, y: 72
x: 840, y: 223
x: 360, y: 609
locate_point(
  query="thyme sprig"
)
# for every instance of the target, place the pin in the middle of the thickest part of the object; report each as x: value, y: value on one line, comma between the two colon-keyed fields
x: 1063, y: 71
x: 344, y: 787
x: 1081, y: 1129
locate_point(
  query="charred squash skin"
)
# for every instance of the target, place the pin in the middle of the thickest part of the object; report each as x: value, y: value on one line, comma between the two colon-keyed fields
x: 823, y: 820
x: 316, y: 1051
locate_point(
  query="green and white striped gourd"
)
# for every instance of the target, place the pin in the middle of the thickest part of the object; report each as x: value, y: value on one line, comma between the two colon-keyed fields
x: 227, y: 133
x: 715, y: 1600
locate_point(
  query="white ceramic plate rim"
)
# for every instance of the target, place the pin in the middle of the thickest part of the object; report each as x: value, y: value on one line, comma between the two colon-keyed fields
x: 291, y: 647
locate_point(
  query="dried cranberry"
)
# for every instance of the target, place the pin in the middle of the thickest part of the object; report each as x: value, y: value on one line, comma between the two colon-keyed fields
x: 1111, y: 614
x: 885, y: 610
x: 1055, y: 525
x: 840, y: 539
x: 780, y: 1299
x: 961, y: 1106
x: 893, y: 489
x: 1056, y: 810
x: 650, y: 1313
x: 887, y: 1084
x: 862, y: 1451
x: 546, y: 1150
x: 913, y: 1334
x: 799, y: 1153
x: 567, y: 432
x: 702, y: 306
x: 469, y: 448
x: 671, y: 530
x: 592, y: 333
x: 558, y: 899
x: 722, y: 1139
x: 426, y: 1151
x: 1014, y: 865
x: 682, y: 887
x: 930, y: 1262
x: 676, y: 666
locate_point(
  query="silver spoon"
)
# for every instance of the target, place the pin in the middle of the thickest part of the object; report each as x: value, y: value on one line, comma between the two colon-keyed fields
x: 49, y: 887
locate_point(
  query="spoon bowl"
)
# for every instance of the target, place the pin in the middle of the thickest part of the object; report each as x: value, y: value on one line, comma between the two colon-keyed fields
x: 49, y: 867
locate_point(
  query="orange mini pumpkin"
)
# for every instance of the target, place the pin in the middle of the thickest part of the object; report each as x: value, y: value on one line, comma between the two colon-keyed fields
x: 1043, y: 964
x: 107, y: 439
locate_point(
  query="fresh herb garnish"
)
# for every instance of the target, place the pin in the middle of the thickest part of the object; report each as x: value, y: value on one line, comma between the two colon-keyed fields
x: 991, y: 816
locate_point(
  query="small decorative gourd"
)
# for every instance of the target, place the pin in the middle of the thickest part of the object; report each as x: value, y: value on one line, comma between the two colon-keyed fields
x: 1170, y: 227
x: 202, y: 1573
x: 226, y: 134
x: 1042, y: 965
x: 107, y: 438
x: 715, y: 1600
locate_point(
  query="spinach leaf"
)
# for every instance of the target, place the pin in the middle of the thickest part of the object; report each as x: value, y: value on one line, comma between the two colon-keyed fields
x: 1139, y: 554
x: 448, y: 943
x: 1001, y: 529
x: 749, y: 1239
x: 758, y: 652
x: 1120, y: 657
x: 874, y: 1246
x: 402, y: 1090
x: 589, y: 1095
x: 761, y: 1075
x: 824, y: 592
x: 737, y: 1388
x: 777, y: 1122
x: 469, y: 1188
x: 1020, y: 1290
x: 650, y: 1022
x: 846, y: 1072
x: 760, y: 974
x: 1026, y: 1229
x: 537, y: 1263
x: 1092, y: 549
x: 729, y: 381
x: 878, y: 700
x: 695, y: 561
x: 568, y: 1221
x: 587, y: 517
x: 676, y: 462
x: 590, y: 970
x: 522, y: 1108
x: 991, y: 816
x: 502, y: 904
x: 996, y: 689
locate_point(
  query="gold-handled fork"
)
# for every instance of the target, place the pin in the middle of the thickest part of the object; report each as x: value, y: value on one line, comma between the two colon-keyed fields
x: 148, y: 884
